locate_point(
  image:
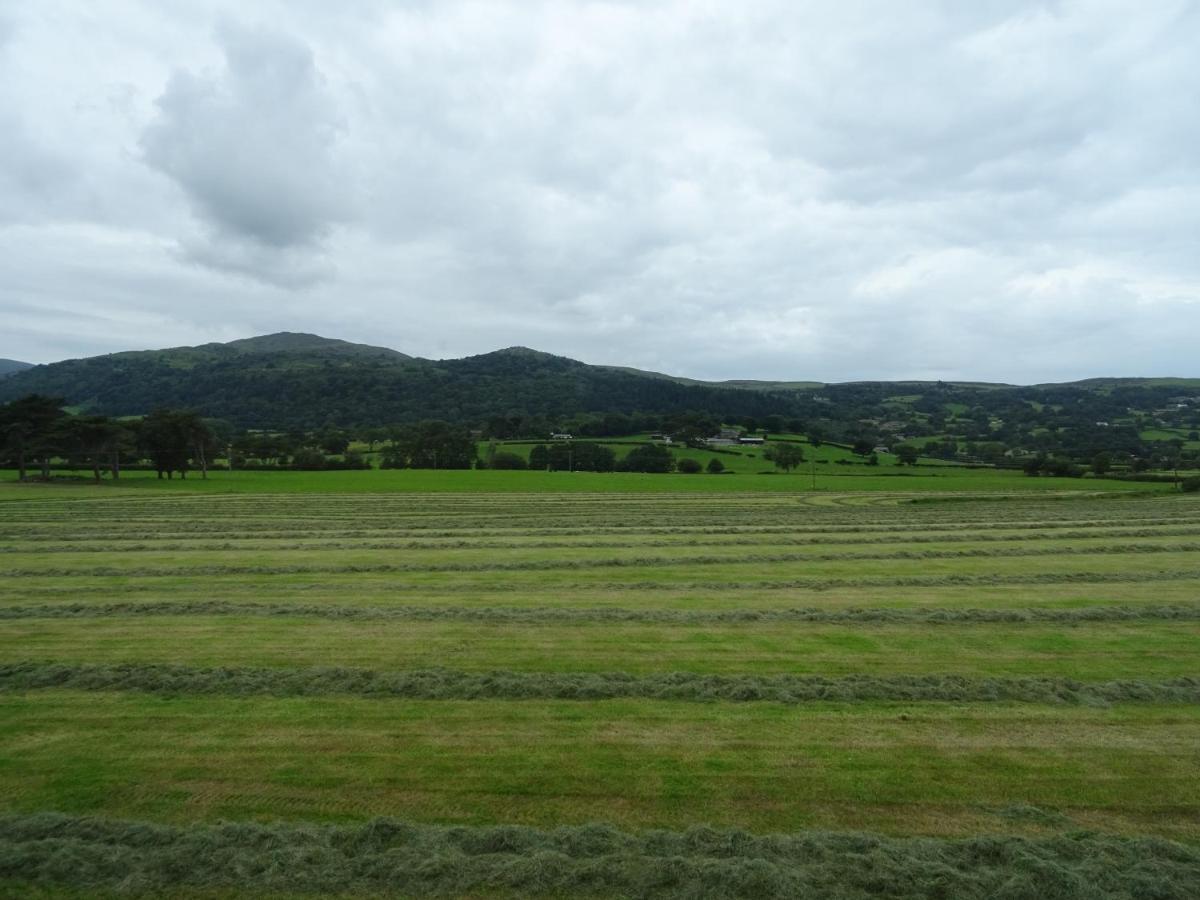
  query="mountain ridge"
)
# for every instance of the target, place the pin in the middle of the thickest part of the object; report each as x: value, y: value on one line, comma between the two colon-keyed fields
x: 12, y: 366
x: 304, y: 381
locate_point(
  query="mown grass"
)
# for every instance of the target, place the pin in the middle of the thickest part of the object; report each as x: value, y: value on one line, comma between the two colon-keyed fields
x: 829, y: 478
x: 1089, y: 651
x: 901, y: 768
x: 768, y: 661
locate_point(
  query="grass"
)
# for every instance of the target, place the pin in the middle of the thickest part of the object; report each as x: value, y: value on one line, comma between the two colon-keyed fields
x: 898, y: 768
x: 334, y: 647
x: 1094, y: 651
x: 390, y: 857
x: 828, y: 478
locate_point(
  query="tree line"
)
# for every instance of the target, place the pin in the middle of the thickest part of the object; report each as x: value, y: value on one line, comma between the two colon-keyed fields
x: 35, y: 430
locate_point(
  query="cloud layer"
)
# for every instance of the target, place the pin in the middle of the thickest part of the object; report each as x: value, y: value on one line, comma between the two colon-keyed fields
x: 1001, y: 191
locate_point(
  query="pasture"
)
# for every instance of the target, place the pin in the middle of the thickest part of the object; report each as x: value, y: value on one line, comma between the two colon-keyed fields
x: 550, y: 690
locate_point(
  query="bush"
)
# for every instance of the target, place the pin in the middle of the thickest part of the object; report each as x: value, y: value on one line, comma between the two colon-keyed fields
x: 715, y: 466
x: 1191, y: 485
x: 504, y: 459
x: 393, y: 460
x: 689, y: 466
x: 648, y: 458
x: 578, y: 456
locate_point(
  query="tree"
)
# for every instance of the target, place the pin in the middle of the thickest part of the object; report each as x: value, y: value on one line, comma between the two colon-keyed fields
x: 333, y: 441
x: 29, y: 427
x: 96, y: 440
x: 1101, y: 463
x: 906, y: 455
x: 689, y: 466
x: 539, y: 457
x: 580, y: 456
x: 648, y: 458
x: 715, y: 466
x: 506, y: 459
x: 785, y: 456
x: 173, y: 439
x: 437, y: 445
x: 862, y: 447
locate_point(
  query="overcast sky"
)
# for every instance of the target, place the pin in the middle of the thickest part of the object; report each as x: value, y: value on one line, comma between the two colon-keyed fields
x: 831, y: 191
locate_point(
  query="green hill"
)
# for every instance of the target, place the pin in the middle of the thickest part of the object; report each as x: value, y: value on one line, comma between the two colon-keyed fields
x: 305, y: 381
x: 12, y: 366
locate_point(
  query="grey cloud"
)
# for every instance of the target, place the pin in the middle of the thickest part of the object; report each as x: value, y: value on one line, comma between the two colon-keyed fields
x: 254, y: 147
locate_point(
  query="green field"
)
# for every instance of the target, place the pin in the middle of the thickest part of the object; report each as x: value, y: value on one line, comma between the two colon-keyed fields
x: 1007, y: 673
x: 827, y: 479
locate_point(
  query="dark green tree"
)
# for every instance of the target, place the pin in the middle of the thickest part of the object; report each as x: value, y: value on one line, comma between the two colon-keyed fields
x: 648, y: 458
x: 30, y: 428
x: 175, y: 439
x: 438, y: 445
x: 785, y: 456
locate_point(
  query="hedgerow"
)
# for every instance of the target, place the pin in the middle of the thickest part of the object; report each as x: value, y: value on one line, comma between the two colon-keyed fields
x: 389, y: 857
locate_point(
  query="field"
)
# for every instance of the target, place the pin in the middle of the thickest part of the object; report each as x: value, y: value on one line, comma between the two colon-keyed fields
x: 427, y: 685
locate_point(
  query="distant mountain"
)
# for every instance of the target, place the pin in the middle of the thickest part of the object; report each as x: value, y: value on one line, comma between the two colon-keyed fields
x: 12, y: 366
x: 304, y: 381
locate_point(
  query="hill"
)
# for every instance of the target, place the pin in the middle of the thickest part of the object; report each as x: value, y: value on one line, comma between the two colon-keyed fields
x: 12, y: 366
x: 306, y: 381
x: 291, y: 381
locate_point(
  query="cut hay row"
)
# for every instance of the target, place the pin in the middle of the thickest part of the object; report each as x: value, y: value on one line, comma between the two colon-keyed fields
x: 565, y: 614
x: 252, y: 542
x: 387, y: 857
x: 231, y: 530
x: 542, y: 565
x: 445, y: 684
x: 308, y: 516
x: 814, y: 584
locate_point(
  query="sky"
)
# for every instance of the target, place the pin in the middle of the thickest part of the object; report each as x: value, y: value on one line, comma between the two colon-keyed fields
x: 836, y: 191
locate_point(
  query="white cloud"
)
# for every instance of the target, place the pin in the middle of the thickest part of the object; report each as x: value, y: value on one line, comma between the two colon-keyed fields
x: 990, y: 190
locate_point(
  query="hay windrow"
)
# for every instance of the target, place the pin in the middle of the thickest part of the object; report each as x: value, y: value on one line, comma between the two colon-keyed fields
x: 389, y: 857
x: 657, y: 616
x: 450, y: 684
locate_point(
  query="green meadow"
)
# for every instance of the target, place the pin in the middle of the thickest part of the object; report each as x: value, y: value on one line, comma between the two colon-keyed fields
x: 563, y: 684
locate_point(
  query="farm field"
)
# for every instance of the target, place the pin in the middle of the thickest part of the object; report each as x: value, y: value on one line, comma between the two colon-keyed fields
x: 828, y: 479
x: 561, y: 692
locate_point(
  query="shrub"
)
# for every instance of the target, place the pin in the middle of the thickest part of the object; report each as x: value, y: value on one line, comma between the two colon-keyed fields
x: 648, y: 458
x: 715, y: 466
x: 689, y: 466
x: 1191, y: 485
x: 504, y: 459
